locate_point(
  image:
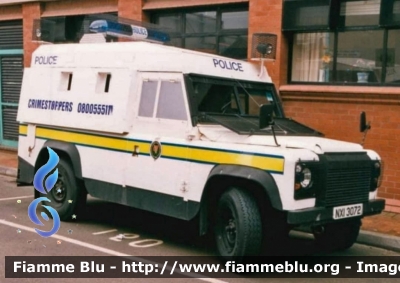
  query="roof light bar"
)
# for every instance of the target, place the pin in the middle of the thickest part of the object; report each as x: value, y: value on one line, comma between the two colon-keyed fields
x: 128, y: 31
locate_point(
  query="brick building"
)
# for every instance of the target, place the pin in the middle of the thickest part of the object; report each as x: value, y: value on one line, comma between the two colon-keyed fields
x: 335, y: 58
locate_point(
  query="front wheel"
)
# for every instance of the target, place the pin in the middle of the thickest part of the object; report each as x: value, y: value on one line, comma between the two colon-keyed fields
x: 67, y: 196
x: 238, y: 228
x: 337, y: 236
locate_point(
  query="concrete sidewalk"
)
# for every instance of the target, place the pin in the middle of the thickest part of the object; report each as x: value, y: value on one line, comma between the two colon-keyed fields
x: 381, y: 230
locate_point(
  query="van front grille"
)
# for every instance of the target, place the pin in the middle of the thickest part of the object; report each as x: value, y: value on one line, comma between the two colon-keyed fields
x: 347, y: 179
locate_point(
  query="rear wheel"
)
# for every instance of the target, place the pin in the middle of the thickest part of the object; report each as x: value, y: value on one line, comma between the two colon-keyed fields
x: 238, y: 229
x: 68, y: 196
x: 337, y: 236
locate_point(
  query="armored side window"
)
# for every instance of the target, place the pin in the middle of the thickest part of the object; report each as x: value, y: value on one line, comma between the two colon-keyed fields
x: 148, y: 98
x: 66, y: 81
x: 103, y: 82
x: 171, y: 103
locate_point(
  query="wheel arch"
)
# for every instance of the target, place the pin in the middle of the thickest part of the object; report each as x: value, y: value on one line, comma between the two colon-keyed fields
x: 259, y: 183
x: 64, y: 150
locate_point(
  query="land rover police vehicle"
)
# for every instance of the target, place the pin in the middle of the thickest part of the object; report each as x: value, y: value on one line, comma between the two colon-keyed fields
x: 189, y: 135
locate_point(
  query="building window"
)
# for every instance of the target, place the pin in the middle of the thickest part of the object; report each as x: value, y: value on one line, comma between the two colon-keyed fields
x: 355, y: 43
x: 356, y: 56
x: 312, y: 57
x: 359, y: 13
x: 66, y: 29
x: 218, y: 30
x: 393, y: 57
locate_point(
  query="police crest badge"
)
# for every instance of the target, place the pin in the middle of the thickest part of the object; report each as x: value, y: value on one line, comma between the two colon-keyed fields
x: 155, y: 149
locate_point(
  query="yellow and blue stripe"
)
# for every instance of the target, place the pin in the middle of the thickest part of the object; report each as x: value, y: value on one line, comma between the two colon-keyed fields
x: 188, y: 153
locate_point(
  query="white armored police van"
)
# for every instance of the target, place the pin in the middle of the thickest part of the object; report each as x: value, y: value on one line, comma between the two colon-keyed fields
x: 193, y: 136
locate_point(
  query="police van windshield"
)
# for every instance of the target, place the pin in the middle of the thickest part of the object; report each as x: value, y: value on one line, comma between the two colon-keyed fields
x: 243, y: 98
x: 236, y: 105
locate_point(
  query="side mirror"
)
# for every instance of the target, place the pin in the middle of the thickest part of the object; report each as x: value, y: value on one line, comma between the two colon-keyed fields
x: 266, y: 115
x: 363, y: 123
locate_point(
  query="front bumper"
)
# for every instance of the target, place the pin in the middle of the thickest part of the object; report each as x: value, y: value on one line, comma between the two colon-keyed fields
x: 321, y: 215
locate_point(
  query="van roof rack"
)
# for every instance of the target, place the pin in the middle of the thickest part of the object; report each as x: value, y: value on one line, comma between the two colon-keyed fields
x: 113, y: 28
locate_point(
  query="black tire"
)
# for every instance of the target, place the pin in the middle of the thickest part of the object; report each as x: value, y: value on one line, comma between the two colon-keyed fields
x: 238, y: 228
x: 68, y: 196
x: 337, y: 236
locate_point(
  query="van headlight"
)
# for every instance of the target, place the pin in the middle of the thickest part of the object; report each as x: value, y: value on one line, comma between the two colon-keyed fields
x: 303, y: 177
x: 304, y: 181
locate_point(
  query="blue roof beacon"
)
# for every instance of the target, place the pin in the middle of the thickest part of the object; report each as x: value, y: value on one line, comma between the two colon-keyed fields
x: 133, y: 32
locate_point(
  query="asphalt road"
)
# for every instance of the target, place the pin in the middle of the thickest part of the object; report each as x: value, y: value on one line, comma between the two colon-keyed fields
x: 106, y: 229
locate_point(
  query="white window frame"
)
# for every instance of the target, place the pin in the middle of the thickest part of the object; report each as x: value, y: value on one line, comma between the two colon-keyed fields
x: 159, y: 77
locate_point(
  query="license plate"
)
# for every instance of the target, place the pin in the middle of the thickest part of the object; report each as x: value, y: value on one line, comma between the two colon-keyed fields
x: 347, y: 211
